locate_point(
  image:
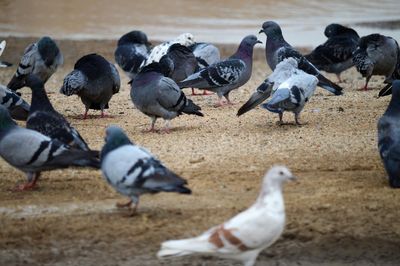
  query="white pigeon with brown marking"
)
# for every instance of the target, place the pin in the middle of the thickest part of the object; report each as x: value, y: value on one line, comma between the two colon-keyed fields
x: 244, y: 236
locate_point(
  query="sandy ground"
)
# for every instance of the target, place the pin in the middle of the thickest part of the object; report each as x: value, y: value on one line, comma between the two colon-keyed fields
x: 340, y: 212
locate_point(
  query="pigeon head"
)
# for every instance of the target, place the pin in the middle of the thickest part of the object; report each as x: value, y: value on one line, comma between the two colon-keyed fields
x: 335, y: 29
x: 185, y: 39
x: 32, y: 81
x: 48, y: 50
x: 163, y: 67
x: 271, y: 29
x: 135, y: 36
x: 277, y: 175
x: 250, y: 41
x: 115, y: 138
x: 5, y: 118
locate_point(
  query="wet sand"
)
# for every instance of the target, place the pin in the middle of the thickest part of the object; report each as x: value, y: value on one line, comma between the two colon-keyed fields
x: 340, y: 212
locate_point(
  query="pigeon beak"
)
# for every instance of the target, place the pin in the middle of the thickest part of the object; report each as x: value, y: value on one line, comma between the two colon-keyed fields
x: 258, y: 41
x: 293, y: 178
x: 130, y: 82
x: 262, y: 30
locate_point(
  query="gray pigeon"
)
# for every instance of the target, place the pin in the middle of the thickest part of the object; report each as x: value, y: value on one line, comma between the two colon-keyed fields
x: 33, y: 152
x: 41, y: 58
x: 132, y: 49
x: 335, y: 55
x: 277, y: 49
x: 389, y: 137
x: 46, y: 120
x: 2, y: 47
x: 226, y: 75
x: 376, y: 55
x: 156, y: 95
x: 94, y: 80
x: 133, y: 171
x: 19, y: 109
x: 206, y: 55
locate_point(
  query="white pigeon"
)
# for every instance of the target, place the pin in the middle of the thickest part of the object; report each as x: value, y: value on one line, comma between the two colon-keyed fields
x: 2, y: 47
x: 244, y: 236
x: 185, y: 39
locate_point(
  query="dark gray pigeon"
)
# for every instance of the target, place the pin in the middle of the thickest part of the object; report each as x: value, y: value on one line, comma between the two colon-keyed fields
x: 133, y: 171
x: 41, y: 58
x: 181, y: 62
x: 46, y: 120
x: 226, y: 75
x: 389, y: 137
x: 2, y: 47
x: 335, y: 54
x: 33, y: 152
x: 277, y: 49
x: 376, y: 55
x: 132, y: 49
x: 94, y: 80
x: 206, y: 55
x: 18, y: 108
x: 156, y: 95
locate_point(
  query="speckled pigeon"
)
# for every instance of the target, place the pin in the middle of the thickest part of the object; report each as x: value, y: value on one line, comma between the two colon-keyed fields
x: 46, y: 120
x: 335, y: 54
x: 376, y: 55
x: 389, y: 137
x: 133, y: 171
x: 226, y: 75
x: 277, y: 49
x: 94, y: 80
x: 33, y: 152
x: 41, y: 58
x: 132, y: 49
x: 156, y: 95
x: 160, y: 50
x: 244, y: 236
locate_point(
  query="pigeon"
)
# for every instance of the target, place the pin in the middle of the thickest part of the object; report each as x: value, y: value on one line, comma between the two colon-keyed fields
x: 32, y: 152
x: 41, y: 58
x: 2, y: 47
x: 389, y: 137
x: 160, y: 50
x: 132, y: 49
x: 181, y: 62
x: 245, y: 235
x: 276, y: 49
x: 133, y: 171
x: 227, y: 75
x: 94, y: 80
x: 292, y: 95
x: 286, y: 68
x: 18, y: 108
x: 335, y: 55
x: 206, y: 55
x: 376, y: 55
x: 156, y: 95
x: 45, y: 119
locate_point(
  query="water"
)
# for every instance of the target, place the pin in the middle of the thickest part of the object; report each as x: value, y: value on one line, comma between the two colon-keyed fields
x: 302, y: 21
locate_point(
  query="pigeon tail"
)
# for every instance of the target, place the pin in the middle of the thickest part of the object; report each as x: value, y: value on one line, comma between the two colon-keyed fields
x: 183, y: 247
x: 262, y: 93
x: 192, y: 109
x: 329, y: 85
x: 387, y: 90
x: 16, y: 83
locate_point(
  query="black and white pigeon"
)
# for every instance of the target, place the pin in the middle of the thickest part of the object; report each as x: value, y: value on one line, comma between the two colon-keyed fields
x: 376, y: 54
x: 32, y: 152
x: 389, y: 137
x: 41, y: 58
x: 277, y: 49
x: 206, y: 55
x: 94, y: 80
x: 185, y: 39
x: 133, y: 171
x: 226, y: 75
x: 158, y: 96
x: 335, y: 54
x: 181, y: 62
x: 283, y: 71
x: 46, y: 120
x: 18, y: 108
x: 292, y: 95
x: 2, y: 47
x: 244, y: 236
x: 132, y: 49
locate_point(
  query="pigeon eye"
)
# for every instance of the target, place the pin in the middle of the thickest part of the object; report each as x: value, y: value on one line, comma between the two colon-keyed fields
x: 280, y: 172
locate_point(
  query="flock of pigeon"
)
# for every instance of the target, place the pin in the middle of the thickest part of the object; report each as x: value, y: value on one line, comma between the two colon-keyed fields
x: 158, y: 75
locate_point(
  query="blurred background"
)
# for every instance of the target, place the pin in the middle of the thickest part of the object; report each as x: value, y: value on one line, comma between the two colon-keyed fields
x: 302, y: 21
